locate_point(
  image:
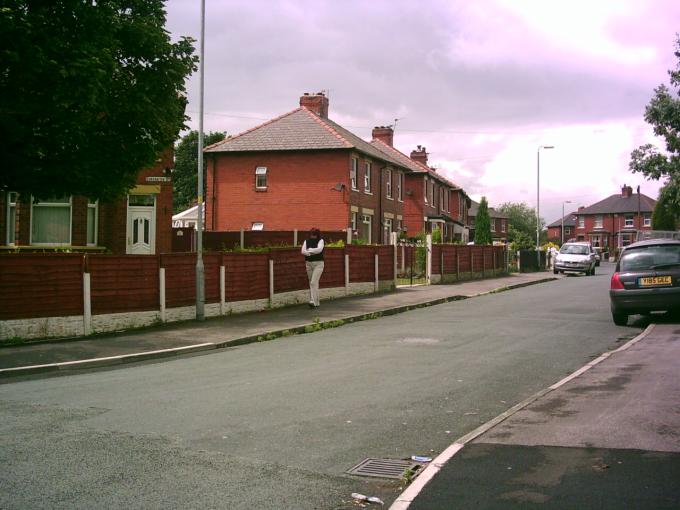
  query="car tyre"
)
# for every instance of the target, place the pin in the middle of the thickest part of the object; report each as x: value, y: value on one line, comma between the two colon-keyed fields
x: 592, y: 270
x: 555, y: 271
x: 619, y: 318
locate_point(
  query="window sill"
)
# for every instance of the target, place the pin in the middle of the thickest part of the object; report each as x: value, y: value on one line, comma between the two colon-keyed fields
x: 390, y: 198
x: 260, y: 190
x: 367, y: 193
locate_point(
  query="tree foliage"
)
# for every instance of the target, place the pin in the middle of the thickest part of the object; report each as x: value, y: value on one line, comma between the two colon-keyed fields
x: 483, y: 223
x: 90, y: 94
x: 521, y: 220
x: 663, y: 217
x: 663, y: 113
x: 185, y: 175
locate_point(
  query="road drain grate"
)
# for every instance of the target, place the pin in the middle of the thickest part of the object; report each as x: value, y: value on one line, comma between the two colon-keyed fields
x: 384, y: 468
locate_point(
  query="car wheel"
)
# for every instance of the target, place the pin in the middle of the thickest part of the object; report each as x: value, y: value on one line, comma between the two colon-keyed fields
x: 555, y: 271
x: 620, y: 318
x: 592, y: 270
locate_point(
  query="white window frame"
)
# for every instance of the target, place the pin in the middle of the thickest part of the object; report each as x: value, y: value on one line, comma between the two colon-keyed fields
x: 368, y: 170
x: 493, y: 224
x: 257, y: 226
x: 599, y: 221
x: 400, y: 186
x: 425, y: 186
x: 627, y: 218
x: 261, y: 173
x: 504, y: 225
x: 53, y: 204
x: 581, y: 221
x: 11, y: 225
x: 388, y: 184
x: 432, y: 193
x: 596, y: 240
x: 353, y: 221
x: 92, y: 205
x: 353, y: 172
x: 567, y: 230
x: 647, y: 220
x: 388, y: 228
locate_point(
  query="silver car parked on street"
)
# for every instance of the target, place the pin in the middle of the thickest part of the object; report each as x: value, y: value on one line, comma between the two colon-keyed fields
x: 575, y: 258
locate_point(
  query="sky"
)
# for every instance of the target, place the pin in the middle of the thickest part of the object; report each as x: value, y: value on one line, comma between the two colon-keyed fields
x: 482, y: 85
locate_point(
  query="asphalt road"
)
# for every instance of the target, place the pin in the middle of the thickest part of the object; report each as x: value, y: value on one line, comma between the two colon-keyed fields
x: 275, y: 425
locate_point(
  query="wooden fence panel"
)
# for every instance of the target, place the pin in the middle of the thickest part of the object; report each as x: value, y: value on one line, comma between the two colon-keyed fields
x: 247, y: 276
x: 289, y: 270
x: 40, y: 285
x: 123, y: 283
x: 333, y: 268
x: 385, y: 262
x: 361, y: 263
x: 180, y: 279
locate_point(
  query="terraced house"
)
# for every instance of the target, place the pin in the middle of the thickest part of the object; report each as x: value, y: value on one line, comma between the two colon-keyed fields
x: 498, y: 223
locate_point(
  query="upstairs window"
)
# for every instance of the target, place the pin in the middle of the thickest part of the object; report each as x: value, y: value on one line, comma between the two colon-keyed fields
x: 51, y: 221
x: 425, y: 189
x: 353, y: 173
x: 503, y: 226
x: 493, y: 224
x: 598, y: 221
x: 367, y: 178
x: 261, y: 177
x: 400, y: 186
x: 629, y: 221
x: 581, y: 222
x: 388, y: 184
x: 432, y: 193
x: 647, y: 221
x: 92, y: 222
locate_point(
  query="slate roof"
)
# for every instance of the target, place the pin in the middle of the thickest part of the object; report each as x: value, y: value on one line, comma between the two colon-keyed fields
x: 619, y: 204
x: 569, y: 221
x: 409, y: 163
x: 472, y: 211
x: 300, y: 129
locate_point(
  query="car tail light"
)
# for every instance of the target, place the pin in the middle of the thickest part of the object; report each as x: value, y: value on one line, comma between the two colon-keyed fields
x: 616, y: 281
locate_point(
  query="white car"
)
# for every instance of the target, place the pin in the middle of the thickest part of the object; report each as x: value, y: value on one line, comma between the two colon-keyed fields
x: 576, y: 258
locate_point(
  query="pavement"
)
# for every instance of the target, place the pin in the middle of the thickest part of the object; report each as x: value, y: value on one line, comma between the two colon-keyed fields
x: 188, y: 338
x: 605, y: 437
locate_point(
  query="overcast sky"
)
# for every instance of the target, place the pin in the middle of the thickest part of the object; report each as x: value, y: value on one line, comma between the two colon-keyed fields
x: 481, y: 84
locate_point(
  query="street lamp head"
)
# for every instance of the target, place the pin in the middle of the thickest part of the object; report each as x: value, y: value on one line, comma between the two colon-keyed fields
x: 546, y: 147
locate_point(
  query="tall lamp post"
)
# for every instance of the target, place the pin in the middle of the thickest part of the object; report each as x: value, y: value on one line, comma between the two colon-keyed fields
x: 538, y: 200
x: 200, y: 269
x: 562, y: 231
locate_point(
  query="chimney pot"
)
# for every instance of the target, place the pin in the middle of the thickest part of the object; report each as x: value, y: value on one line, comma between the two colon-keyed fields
x: 419, y: 155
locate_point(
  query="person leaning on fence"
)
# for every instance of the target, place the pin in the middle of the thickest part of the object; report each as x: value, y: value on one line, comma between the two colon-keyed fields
x: 312, y: 249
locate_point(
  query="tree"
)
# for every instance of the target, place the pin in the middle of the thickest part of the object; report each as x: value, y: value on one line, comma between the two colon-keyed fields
x: 663, y: 113
x: 662, y: 217
x: 90, y: 94
x: 185, y: 176
x: 483, y: 223
x: 521, y: 219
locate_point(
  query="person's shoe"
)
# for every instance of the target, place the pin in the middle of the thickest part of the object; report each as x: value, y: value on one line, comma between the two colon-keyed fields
x: 311, y: 305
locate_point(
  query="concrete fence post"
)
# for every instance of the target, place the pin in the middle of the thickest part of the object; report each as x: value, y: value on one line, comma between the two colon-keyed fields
x: 295, y: 237
x: 428, y: 259
x: 394, y: 255
x: 223, y: 290
x: 349, y: 236
x: 346, y: 274
x: 243, y: 239
x: 161, y: 292
x: 403, y: 258
x: 376, y: 286
x: 271, y: 282
x: 87, y: 305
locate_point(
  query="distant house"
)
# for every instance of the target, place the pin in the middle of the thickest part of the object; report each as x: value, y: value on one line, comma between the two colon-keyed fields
x: 187, y: 218
x: 499, y: 223
x: 555, y: 228
x: 615, y: 221
x: 302, y: 170
x: 140, y: 223
x: 431, y: 200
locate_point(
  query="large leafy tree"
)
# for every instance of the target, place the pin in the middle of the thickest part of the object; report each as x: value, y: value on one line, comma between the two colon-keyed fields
x: 90, y: 93
x: 185, y: 175
x: 483, y: 223
x: 663, y: 113
x: 522, y: 221
x: 663, y: 217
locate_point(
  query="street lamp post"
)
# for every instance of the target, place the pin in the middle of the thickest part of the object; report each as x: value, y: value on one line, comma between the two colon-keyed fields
x: 562, y: 231
x: 538, y: 200
x: 200, y: 269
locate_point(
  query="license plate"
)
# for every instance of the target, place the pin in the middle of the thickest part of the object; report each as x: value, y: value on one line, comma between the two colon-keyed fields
x: 652, y: 281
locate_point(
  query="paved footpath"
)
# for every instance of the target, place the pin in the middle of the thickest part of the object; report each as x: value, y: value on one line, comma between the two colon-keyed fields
x: 190, y: 337
x: 608, y: 438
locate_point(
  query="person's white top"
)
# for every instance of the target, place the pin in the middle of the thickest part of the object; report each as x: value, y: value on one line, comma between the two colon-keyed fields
x: 312, y: 251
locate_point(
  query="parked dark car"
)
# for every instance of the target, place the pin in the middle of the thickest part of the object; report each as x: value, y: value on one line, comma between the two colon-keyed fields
x: 647, y: 279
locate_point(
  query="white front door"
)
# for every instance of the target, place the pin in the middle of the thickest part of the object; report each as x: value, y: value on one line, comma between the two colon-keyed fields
x: 141, y: 229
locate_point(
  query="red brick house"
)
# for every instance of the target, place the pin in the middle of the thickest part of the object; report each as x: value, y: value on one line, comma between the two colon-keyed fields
x: 140, y: 223
x: 301, y: 170
x: 498, y: 221
x: 555, y: 228
x: 614, y: 222
x: 431, y: 201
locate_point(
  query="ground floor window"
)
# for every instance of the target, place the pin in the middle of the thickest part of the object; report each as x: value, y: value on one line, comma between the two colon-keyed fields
x: 366, y: 227
x: 11, y: 217
x: 626, y: 238
x: 92, y: 221
x: 387, y: 230
x: 51, y: 221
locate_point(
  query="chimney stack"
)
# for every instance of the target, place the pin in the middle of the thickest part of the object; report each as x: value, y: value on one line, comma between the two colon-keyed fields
x: 385, y: 134
x: 419, y: 155
x: 316, y: 103
x: 626, y: 191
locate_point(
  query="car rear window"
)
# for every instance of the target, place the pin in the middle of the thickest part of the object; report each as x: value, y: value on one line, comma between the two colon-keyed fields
x: 650, y: 257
